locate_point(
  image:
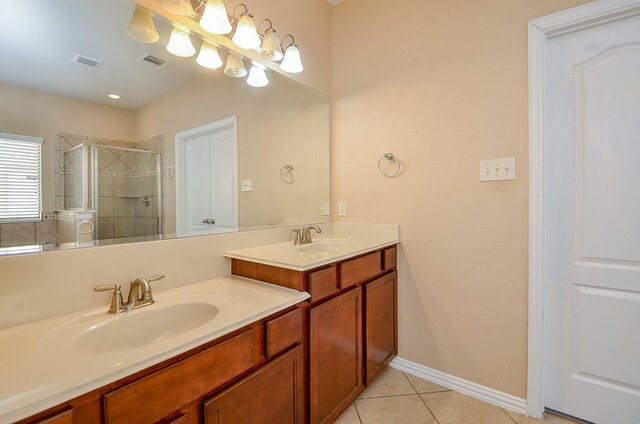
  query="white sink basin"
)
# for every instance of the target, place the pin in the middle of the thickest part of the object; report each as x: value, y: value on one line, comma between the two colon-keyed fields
x: 328, y: 245
x: 144, y: 326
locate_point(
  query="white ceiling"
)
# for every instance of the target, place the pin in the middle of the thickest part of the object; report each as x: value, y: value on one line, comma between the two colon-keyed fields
x: 40, y: 38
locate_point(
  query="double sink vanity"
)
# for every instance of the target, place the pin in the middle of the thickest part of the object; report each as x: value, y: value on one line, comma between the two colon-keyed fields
x: 292, y: 336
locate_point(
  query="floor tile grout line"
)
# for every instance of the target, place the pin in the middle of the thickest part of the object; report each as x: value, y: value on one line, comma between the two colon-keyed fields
x: 421, y: 399
x: 507, y: 414
x: 357, y: 412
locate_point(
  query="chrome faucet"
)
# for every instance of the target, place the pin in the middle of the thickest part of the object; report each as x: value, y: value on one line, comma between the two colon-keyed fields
x: 139, y: 294
x: 303, y: 235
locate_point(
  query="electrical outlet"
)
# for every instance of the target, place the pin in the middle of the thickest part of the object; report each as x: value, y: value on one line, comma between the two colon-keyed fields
x: 342, y: 208
x: 498, y: 169
x: 247, y: 185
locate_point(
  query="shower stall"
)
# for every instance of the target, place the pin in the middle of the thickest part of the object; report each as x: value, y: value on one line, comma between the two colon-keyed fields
x: 122, y: 185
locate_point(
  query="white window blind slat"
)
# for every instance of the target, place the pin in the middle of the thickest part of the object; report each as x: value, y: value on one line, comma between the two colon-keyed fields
x: 20, y: 178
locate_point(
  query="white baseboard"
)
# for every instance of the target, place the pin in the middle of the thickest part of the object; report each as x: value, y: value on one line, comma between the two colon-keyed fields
x: 469, y: 388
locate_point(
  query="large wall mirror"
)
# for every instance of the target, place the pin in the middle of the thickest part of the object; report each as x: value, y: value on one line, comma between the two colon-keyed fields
x: 184, y: 151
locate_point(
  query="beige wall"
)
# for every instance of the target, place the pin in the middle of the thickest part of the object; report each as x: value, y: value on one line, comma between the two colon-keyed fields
x: 39, y: 114
x: 443, y: 84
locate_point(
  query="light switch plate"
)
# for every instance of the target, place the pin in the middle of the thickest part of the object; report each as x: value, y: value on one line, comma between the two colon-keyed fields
x: 324, y: 208
x: 498, y: 169
x: 342, y: 208
x: 247, y: 185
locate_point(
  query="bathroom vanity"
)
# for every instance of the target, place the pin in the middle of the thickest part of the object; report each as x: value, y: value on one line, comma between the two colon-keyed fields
x: 297, y: 353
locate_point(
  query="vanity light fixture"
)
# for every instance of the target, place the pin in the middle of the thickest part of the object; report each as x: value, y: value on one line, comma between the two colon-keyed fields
x: 209, y: 56
x: 141, y: 26
x: 235, y: 67
x: 246, y: 35
x: 215, y: 19
x: 178, y: 7
x: 270, y: 43
x: 292, y: 62
x: 180, y: 42
x: 257, y: 75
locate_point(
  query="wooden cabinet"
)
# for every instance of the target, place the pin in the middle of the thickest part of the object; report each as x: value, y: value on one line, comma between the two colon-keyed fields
x: 270, y: 350
x: 335, y: 362
x: 275, y: 394
x: 380, y: 324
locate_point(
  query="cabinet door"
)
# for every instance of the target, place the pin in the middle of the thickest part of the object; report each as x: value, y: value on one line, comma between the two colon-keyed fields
x: 381, y: 323
x: 274, y: 394
x: 335, y: 364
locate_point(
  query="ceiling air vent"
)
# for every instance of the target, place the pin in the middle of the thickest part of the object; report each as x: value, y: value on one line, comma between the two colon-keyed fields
x: 85, y: 60
x: 154, y: 60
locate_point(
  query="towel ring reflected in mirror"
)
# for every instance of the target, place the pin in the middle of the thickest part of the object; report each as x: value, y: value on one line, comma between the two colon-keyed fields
x: 286, y: 174
x: 391, y: 167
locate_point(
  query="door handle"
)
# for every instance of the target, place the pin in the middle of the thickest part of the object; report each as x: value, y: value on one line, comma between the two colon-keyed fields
x: 208, y: 221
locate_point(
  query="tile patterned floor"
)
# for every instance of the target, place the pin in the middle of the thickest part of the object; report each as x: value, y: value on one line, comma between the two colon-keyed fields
x: 401, y: 398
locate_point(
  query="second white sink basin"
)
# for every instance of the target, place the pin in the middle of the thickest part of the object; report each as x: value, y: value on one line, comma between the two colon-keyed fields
x: 328, y: 245
x: 144, y: 326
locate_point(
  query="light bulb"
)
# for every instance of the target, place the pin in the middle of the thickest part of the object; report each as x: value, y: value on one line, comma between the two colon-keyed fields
x: 215, y: 19
x: 271, y: 46
x: 178, y: 7
x: 235, y: 68
x: 141, y: 27
x: 209, y: 57
x: 292, y: 62
x: 257, y: 76
x: 180, y: 43
x: 246, y: 35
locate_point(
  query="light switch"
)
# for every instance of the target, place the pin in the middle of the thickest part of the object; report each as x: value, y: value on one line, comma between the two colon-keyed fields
x: 342, y: 208
x: 247, y: 185
x: 324, y: 209
x: 498, y: 169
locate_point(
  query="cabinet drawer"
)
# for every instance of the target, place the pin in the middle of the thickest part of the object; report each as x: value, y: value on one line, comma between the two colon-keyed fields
x: 360, y: 269
x: 284, y: 331
x: 64, y: 417
x: 390, y: 258
x: 165, y: 391
x: 323, y: 283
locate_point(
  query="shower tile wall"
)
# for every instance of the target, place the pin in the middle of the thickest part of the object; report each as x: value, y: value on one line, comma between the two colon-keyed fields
x: 155, y: 145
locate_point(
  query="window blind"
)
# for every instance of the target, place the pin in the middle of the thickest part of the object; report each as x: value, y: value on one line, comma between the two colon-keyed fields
x: 20, y: 178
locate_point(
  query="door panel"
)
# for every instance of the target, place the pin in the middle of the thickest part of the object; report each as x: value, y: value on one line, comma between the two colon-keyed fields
x: 592, y: 250
x: 197, y: 183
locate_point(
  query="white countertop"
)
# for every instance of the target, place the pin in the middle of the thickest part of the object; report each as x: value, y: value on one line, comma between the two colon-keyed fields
x: 347, y: 240
x: 40, y: 368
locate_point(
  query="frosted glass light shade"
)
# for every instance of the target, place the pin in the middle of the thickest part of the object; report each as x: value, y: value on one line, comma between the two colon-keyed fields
x: 246, y: 35
x: 257, y: 76
x: 235, y: 68
x: 292, y: 62
x: 180, y: 43
x: 179, y: 7
x: 271, y: 46
x: 215, y: 19
x: 141, y: 27
x: 209, y: 57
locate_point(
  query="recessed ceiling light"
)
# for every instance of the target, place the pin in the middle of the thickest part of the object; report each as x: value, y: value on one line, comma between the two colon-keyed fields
x: 114, y: 96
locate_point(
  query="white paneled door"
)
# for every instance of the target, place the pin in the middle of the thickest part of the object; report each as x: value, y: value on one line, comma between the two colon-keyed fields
x: 206, y: 185
x: 592, y: 248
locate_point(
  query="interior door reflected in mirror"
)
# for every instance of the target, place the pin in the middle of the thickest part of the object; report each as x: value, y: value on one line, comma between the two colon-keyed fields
x: 112, y: 168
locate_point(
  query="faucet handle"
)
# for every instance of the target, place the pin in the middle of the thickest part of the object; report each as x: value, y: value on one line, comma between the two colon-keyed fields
x: 155, y: 278
x: 117, y: 303
x: 297, y: 233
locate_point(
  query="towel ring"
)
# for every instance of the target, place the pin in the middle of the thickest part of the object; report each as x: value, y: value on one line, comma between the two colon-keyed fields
x: 395, y: 170
x: 286, y: 174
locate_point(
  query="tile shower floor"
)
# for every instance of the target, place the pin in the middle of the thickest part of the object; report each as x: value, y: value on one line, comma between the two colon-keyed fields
x: 400, y: 398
